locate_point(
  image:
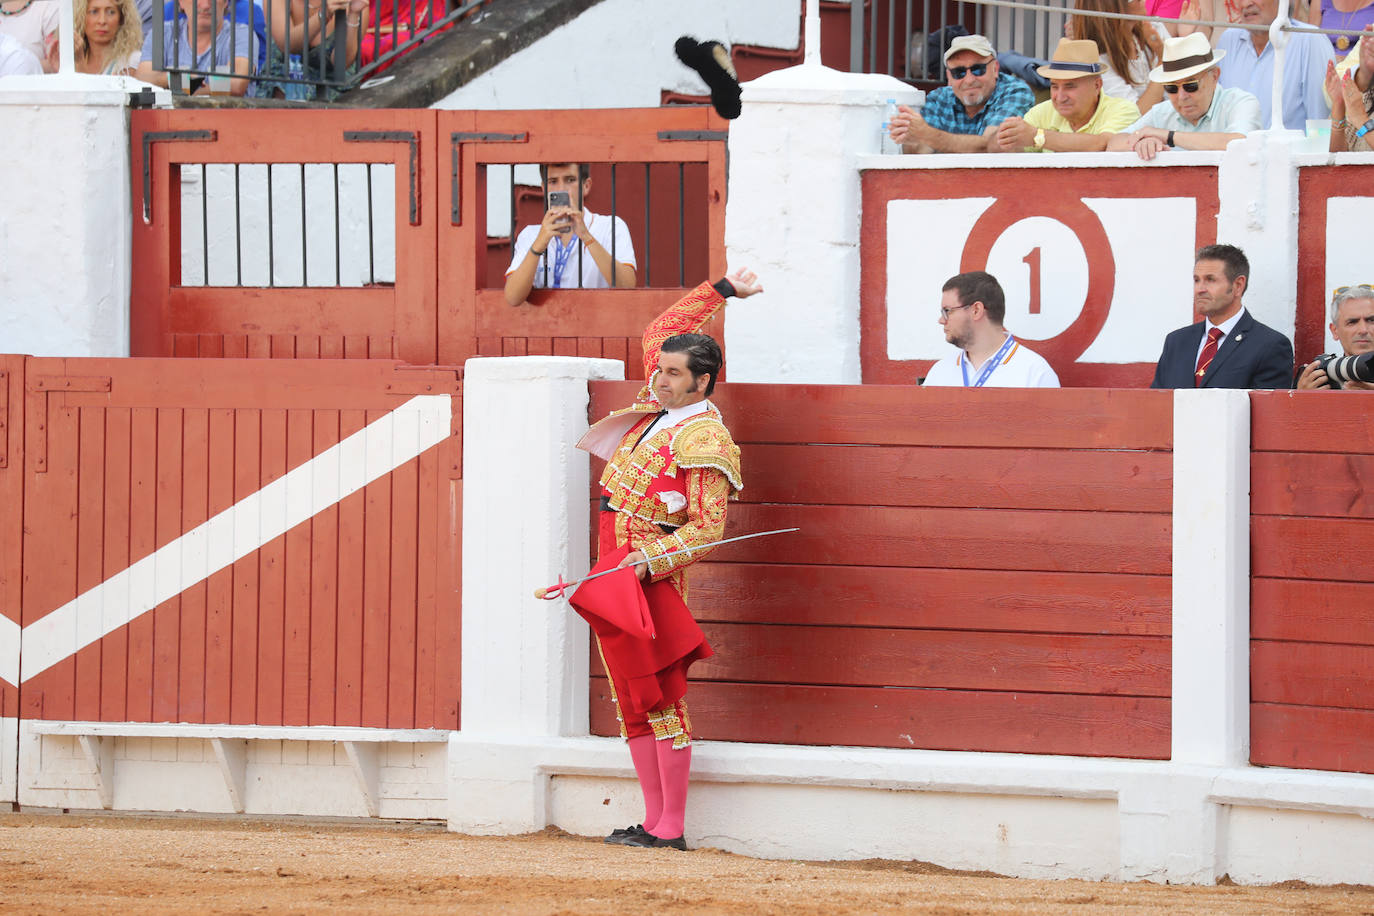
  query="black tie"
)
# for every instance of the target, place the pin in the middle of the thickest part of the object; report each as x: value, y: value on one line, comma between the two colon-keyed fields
x: 651, y: 425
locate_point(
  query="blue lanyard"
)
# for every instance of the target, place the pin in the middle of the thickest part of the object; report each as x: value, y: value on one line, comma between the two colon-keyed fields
x: 560, y: 262
x: 988, y: 366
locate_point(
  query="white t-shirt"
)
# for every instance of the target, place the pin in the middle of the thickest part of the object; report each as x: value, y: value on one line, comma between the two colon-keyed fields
x: 600, y: 227
x: 15, y: 59
x: 1021, y: 368
x: 1132, y: 84
x: 38, y: 20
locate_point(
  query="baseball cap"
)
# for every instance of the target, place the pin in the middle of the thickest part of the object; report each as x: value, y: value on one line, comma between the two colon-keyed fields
x: 976, y: 43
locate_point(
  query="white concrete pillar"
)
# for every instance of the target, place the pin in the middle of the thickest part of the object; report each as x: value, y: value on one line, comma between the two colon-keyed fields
x: 66, y: 229
x: 793, y: 216
x: 1211, y: 582
x: 1257, y: 185
x: 525, y: 522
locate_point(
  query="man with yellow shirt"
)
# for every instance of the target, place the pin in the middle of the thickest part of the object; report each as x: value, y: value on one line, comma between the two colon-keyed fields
x: 1079, y: 116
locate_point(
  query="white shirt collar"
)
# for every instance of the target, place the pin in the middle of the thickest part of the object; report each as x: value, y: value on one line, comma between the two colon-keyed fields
x: 1228, y: 325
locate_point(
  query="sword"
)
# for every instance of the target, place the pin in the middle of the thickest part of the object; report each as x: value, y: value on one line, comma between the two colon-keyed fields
x: 553, y: 591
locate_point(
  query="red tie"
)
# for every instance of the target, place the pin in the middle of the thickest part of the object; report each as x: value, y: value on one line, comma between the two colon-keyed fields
x: 1209, y: 352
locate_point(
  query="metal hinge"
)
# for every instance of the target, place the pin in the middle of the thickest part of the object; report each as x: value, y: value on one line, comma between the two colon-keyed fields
x: 409, y: 137
x: 164, y: 136
x: 456, y: 140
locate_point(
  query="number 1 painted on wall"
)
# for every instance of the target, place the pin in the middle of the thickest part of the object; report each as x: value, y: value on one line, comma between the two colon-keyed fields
x: 1032, y: 261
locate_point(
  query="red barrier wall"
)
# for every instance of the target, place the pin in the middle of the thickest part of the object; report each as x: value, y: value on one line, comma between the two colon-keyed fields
x: 349, y: 618
x: 975, y: 571
x: 1312, y: 531
x: 12, y: 499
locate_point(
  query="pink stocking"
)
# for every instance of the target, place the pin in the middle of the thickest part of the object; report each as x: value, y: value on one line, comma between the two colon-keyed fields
x: 645, y: 758
x: 674, y: 767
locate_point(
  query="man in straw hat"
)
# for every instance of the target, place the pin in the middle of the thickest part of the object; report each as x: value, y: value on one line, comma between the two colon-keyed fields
x: 963, y: 116
x: 1079, y: 116
x: 1251, y: 67
x: 1197, y: 112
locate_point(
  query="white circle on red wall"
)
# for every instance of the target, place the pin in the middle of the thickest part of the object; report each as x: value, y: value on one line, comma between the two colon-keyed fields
x: 1043, y: 269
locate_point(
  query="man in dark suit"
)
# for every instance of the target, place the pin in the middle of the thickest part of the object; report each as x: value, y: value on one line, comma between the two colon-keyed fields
x: 1228, y: 348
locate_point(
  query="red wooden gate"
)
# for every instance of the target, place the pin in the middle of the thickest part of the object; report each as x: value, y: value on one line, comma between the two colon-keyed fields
x: 661, y: 170
x: 217, y: 541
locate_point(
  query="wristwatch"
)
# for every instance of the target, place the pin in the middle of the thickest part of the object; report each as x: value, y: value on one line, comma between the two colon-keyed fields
x: 1365, y: 128
x: 1169, y: 140
x: 1039, y: 142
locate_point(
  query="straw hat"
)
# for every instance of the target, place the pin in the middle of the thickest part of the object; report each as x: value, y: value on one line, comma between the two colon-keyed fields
x: 1071, y: 60
x: 1184, y: 57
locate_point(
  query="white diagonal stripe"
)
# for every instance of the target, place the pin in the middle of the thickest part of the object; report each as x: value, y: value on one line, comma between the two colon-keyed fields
x: 9, y: 650
x: 340, y: 470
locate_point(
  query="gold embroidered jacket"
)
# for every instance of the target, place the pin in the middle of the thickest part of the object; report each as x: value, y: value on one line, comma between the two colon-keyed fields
x: 681, y: 476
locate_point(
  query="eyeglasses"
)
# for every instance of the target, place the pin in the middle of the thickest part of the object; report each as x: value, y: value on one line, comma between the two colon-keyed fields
x: 944, y: 312
x: 1192, y: 86
x: 957, y: 73
x: 1343, y: 289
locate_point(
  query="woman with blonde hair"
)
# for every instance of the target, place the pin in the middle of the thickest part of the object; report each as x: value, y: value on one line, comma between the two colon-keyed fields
x: 108, y: 35
x: 1130, y: 49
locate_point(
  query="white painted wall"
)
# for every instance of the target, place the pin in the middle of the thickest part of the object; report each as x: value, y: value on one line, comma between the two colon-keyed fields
x: 619, y: 54
x: 65, y: 236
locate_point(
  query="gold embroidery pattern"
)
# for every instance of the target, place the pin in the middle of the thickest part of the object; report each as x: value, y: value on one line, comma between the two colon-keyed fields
x: 672, y: 722
x: 708, y: 495
x: 615, y: 700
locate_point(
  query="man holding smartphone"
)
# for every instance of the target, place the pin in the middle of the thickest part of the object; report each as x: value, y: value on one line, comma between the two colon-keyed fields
x: 571, y: 248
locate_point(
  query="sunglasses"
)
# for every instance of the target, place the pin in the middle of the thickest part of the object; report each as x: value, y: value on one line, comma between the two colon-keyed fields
x: 1192, y: 86
x: 957, y: 73
x: 1341, y: 290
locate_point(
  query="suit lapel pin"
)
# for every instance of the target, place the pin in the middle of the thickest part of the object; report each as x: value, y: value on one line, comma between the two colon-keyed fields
x: 1238, y: 337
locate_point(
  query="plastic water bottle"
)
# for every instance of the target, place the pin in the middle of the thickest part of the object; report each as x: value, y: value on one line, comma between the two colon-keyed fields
x: 885, y: 142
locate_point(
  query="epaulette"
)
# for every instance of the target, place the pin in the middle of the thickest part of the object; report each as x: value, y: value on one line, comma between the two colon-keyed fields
x: 704, y: 442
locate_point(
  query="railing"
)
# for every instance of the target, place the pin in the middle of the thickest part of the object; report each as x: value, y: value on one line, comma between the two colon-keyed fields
x: 374, y: 37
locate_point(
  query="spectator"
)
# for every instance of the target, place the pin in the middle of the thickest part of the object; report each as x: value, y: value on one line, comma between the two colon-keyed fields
x: 1352, y: 323
x: 303, y: 49
x: 218, y: 46
x: 244, y: 11
x: 963, y: 116
x: 108, y: 36
x: 972, y: 309
x: 1078, y: 116
x: 15, y: 59
x: 1193, y: 11
x: 1351, y: 15
x: 1236, y: 351
x: 1129, y: 49
x: 1352, y: 98
x: 1199, y: 114
x: 1251, y: 67
x: 33, y: 23
x: 571, y: 246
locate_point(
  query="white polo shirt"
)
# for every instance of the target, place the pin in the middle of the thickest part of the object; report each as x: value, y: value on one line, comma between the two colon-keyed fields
x: 1021, y: 368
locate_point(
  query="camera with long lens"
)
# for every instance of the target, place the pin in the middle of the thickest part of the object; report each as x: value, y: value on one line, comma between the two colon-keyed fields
x: 1342, y: 369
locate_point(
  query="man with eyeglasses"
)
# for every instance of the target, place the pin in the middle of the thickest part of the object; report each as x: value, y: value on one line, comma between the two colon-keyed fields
x: 1197, y: 112
x: 1352, y: 323
x: 963, y: 116
x: 972, y: 309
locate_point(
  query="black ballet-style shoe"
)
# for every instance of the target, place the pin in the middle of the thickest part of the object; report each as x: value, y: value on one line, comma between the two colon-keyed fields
x: 649, y: 841
x: 712, y: 63
x: 622, y: 835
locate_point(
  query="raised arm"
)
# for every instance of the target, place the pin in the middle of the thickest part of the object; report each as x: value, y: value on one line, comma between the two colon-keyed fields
x: 691, y: 313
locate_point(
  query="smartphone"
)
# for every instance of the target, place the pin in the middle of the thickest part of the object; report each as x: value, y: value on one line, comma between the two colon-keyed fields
x: 560, y: 199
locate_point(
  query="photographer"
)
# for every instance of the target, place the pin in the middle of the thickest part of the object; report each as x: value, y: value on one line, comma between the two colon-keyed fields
x: 571, y: 247
x: 1352, y: 323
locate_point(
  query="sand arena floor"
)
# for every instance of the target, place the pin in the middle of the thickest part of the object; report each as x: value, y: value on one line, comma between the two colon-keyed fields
x: 53, y: 863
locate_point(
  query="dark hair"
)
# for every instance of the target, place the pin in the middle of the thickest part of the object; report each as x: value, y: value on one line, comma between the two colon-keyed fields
x: 979, y: 286
x: 584, y: 171
x: 703, y: 355
x: 1232, y: 258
